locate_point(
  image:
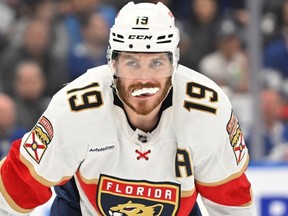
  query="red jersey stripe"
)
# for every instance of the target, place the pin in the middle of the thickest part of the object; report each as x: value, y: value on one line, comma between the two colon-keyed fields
x: 19, y: 184
x: 233, y: 193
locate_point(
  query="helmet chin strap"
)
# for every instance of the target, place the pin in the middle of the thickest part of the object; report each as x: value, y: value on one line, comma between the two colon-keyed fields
x: 114, y: 86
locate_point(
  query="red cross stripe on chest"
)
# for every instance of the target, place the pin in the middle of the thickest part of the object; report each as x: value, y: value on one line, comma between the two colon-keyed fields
x: 143, y: 154
x: 35, y: 147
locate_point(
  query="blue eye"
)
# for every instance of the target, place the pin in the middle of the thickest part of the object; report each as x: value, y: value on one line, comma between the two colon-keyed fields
x: 156, y: 63
x: 132, y: 63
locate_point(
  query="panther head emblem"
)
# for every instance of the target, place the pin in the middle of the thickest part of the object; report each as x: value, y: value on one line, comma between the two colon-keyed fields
x: 131, y: 209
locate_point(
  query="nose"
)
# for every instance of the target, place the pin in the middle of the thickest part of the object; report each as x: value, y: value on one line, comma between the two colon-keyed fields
x: 145, y: 73
x: 143, y: 80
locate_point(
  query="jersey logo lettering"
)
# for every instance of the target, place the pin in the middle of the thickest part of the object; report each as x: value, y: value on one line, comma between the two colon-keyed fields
x: 183, y: 164
x: 116, y: 195
x: 102, y: 148
x: 140, y: 37
x: 236, y: 138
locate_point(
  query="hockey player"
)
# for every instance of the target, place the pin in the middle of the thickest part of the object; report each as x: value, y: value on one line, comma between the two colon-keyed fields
x: 141, y: 135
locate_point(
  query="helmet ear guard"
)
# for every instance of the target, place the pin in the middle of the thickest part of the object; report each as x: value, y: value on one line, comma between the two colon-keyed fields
x: 144, y: 27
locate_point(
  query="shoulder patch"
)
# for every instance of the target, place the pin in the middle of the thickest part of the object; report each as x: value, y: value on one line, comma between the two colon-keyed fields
x: 236, y: 138
x: 39, y: 139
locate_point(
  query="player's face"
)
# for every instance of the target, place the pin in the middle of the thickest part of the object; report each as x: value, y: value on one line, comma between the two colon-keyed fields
x: 143, y: 79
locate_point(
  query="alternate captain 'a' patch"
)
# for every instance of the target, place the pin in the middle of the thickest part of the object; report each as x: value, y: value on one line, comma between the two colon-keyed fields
x: 236, y: 138
x: 39, y: 139
x: 125, y: 197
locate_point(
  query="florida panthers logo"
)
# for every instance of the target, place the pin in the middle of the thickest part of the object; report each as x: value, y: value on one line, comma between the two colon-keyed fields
x: 131, y: 209
x: 122, y: 197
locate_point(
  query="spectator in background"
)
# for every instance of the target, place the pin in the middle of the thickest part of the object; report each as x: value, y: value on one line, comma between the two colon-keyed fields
x: 35, y: 46
x: 201, y: 27
x: 50, y: 11
x: 235, y: 10
x: 273, y: 19
x: 91, y: 51
x: 79, y: 9
x: 7, y: 16
x: 228, y: 64
x: 275, y: 54
x: 9, y: 130
x: 29, y: 87
x: 275, y: 132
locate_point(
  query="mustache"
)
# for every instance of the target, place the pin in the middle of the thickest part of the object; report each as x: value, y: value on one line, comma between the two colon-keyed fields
x: 143, y: 85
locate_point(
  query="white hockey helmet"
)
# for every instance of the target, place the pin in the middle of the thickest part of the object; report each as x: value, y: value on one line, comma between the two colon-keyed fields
x: 144, y: 27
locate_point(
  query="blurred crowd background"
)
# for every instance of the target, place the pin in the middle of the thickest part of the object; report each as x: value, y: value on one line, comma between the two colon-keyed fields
x: 45, y: 44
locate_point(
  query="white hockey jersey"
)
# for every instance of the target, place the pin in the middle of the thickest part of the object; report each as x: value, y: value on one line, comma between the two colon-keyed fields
x: 197, y: 147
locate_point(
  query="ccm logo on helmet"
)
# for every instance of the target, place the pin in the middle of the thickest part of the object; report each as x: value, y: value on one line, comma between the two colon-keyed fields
x: 140, y: 37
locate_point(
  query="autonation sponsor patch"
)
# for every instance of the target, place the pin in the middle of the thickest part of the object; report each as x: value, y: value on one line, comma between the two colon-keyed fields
x: 101, y: 148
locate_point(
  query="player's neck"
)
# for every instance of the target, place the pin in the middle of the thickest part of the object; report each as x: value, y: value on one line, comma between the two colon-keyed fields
x: 143, y: 122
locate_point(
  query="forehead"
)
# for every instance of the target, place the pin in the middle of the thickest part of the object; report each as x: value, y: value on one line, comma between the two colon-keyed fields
x: 142, y: 55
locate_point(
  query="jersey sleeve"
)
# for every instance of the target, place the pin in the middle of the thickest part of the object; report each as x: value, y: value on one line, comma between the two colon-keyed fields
x: 209, y: 128
x: 220, y: 172
x: 43, y: 158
